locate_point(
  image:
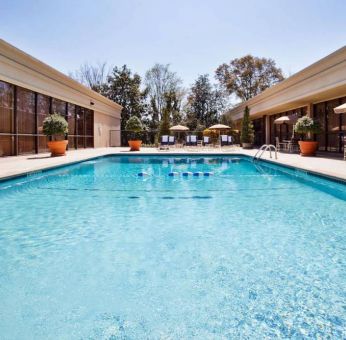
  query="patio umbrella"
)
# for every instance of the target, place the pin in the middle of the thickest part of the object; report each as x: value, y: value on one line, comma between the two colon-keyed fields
x: 179, y: 128
x: 340, y: 108
x: 219, y: 127
x: 289, y: 120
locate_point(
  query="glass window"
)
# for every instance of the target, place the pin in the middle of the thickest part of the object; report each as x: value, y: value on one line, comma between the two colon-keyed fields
x: 319, y: 116
x: 42, y: 144
x: 343, y: 118
x: 58, y: 106
x: 80, y: 120
x: 333, y: 130
x: 6, y: 145
x: 89, y: 124
x: 71, y: 118
x: 26, y: 111
x: 80, y: 141
x: 26, y: 144
x: 42, y: 110
x: 71, y: 142
x: 6, y: 107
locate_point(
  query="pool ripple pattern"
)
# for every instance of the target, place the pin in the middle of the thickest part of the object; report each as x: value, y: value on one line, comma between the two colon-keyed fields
x: 93, y: 251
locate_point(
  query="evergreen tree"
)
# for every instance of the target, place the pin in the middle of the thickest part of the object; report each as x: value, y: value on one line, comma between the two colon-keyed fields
x: 124, y: 88
x: 165, y: 125
x: 205, y: 104
x: 247, y: 131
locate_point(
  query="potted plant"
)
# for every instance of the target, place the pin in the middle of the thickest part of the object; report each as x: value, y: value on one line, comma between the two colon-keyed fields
x: 54, y: 126
x: 247, y: 132
x: 135, y: 127
x: 306, y: 126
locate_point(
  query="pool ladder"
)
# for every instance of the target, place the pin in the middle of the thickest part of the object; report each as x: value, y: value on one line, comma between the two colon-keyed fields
x: 263, y: 149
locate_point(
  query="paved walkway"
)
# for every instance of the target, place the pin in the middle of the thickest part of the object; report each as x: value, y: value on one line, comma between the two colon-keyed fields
x: 13, y: 166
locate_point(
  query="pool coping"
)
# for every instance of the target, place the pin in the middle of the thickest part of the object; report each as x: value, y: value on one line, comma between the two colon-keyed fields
x: 110, y: 153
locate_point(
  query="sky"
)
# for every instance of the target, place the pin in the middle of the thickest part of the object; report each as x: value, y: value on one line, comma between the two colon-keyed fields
x: 193, y: 36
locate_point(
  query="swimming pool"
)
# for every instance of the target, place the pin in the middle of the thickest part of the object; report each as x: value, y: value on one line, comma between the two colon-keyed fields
x: 94, y: 251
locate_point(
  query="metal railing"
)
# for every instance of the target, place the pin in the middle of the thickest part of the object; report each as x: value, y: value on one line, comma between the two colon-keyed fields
x: 263, y: 149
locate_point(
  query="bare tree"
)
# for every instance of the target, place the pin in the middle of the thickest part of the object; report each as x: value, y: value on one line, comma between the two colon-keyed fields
x: 93, y: 76
x: 160, y: 81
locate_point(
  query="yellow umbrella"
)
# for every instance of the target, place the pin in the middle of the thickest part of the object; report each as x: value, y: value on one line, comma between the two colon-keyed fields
x: 219, y: 127
x: 179, y: 128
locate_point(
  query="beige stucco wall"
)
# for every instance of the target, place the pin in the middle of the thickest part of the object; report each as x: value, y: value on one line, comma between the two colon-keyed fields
x: 103, y: 124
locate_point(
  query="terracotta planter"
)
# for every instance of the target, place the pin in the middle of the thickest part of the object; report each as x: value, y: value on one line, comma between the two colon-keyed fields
x: 247, y: 145
x: 58, y: 147
x: 308, y: 148
x: 135, y: 145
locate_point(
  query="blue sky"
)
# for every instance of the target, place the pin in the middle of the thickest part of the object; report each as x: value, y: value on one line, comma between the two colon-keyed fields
x: 193, y: 36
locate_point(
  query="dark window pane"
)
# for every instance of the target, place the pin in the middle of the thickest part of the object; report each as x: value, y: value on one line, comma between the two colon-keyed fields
x: 25, y: 111
x: 333, y: 118
x: 26, y: 144
x: 42, y: 144
x: 80, y: 141
x: 58, y: 106
x: 89, y: 142
x: 89, y: 124
x: 319, y: 116
x: 80, y: 120
x: 6, y: 107
x: 42, y: 110
x: 71, y: 142
x: 6, y: 146
x: 71, y: 118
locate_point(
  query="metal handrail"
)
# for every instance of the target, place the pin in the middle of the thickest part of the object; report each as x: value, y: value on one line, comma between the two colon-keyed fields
x: 263, y: 149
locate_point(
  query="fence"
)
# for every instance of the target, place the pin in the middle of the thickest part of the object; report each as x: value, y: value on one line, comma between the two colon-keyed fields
x: 151, y: 138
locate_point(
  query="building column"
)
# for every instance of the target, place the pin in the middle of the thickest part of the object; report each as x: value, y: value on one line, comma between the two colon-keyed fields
x: 267, y: 129
x: 310, y: 110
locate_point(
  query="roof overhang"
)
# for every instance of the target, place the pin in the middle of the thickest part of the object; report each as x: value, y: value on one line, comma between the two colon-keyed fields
x: 323, y: 80
x: 19, y: 68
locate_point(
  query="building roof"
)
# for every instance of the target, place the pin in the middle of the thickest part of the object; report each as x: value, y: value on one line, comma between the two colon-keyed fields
x: 322, y: 80
x: 16, y: 59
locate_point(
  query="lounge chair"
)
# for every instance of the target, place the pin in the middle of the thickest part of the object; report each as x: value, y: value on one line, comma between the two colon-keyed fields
x: 191, y: 140
x: 223, y: 140
x: 164, y: 140
x: 230, y: 140
x: 171, y: 140
x: 206, y: 141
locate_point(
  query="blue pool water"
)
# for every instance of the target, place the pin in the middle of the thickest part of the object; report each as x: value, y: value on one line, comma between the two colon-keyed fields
x: 93, y: 251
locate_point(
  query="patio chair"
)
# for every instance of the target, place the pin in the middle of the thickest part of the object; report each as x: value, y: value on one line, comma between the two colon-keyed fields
x: 164, y: 140
x: 191, y: 140
x: 279, y: 145
x: 206, y: 141
x: 230, y: 140
x: 223, y: 140
x: 171, y: 140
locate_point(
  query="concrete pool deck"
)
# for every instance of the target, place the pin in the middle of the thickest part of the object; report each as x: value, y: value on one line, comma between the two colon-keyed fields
x: 18, y: 165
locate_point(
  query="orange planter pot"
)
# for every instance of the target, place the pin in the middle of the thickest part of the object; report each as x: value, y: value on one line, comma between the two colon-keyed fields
x: 58, y: 147
x: 308, y: 148
x: 135, y: 145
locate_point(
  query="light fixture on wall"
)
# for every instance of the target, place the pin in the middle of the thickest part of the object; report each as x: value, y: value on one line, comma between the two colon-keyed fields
x: 92, y: 103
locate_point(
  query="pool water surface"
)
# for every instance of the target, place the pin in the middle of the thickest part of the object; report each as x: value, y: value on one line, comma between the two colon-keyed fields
x: 94, y: 251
